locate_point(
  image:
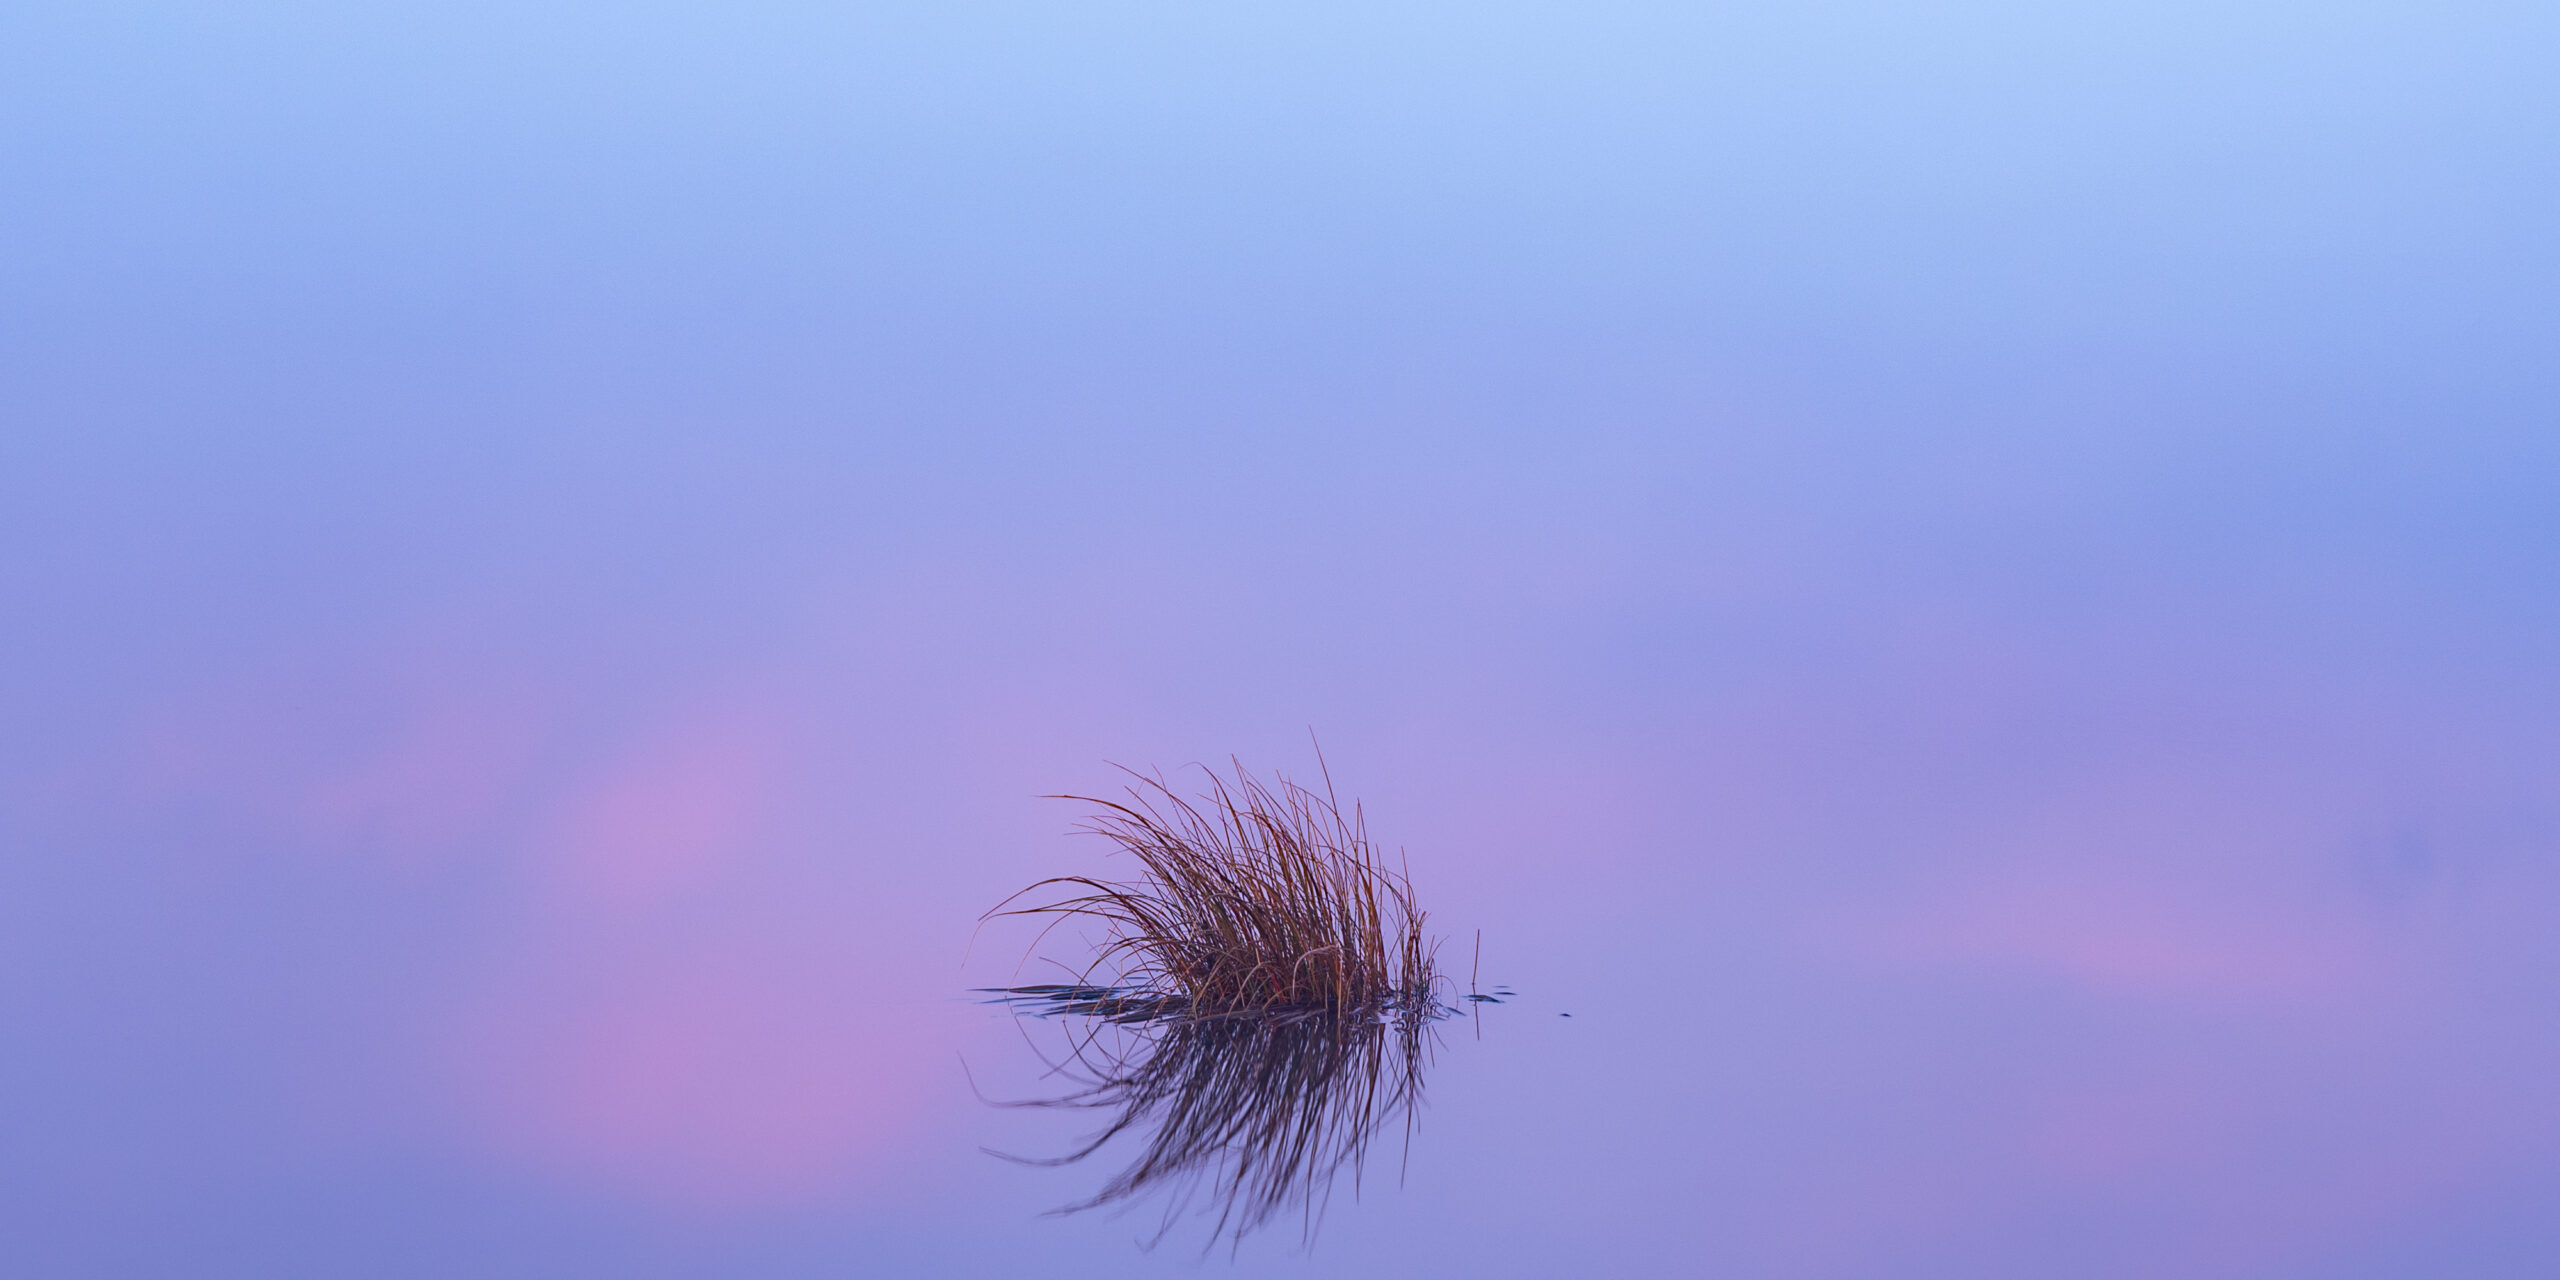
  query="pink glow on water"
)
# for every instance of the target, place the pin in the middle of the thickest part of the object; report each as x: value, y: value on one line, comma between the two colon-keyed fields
x: 666, y: 1018
x: 725, y: 1083
x: 676, y: 1018
x: 669, y: 811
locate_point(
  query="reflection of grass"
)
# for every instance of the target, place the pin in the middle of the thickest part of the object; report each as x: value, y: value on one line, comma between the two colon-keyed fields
x: 1257, y: 1114
x: 1253, y: 898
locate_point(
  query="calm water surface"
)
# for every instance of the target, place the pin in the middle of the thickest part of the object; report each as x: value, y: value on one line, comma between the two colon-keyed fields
x: 1973, y: 591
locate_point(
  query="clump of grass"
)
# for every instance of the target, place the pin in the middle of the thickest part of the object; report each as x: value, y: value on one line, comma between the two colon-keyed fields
x: 1252, y: 898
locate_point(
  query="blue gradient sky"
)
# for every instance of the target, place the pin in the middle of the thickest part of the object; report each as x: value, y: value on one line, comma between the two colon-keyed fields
x: 1975, y: 588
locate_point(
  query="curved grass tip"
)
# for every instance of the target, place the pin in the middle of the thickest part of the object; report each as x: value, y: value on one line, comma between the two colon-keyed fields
x: 1251, y: 898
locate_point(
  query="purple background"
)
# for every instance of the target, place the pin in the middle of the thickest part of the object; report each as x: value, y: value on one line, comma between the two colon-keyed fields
x: 1974, y: 588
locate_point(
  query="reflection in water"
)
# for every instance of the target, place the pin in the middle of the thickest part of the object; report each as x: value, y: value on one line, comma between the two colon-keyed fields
x: 1243, y: 1117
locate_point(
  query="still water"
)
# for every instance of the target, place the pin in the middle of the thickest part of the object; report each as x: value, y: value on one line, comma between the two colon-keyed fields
x: 1967, y: 599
